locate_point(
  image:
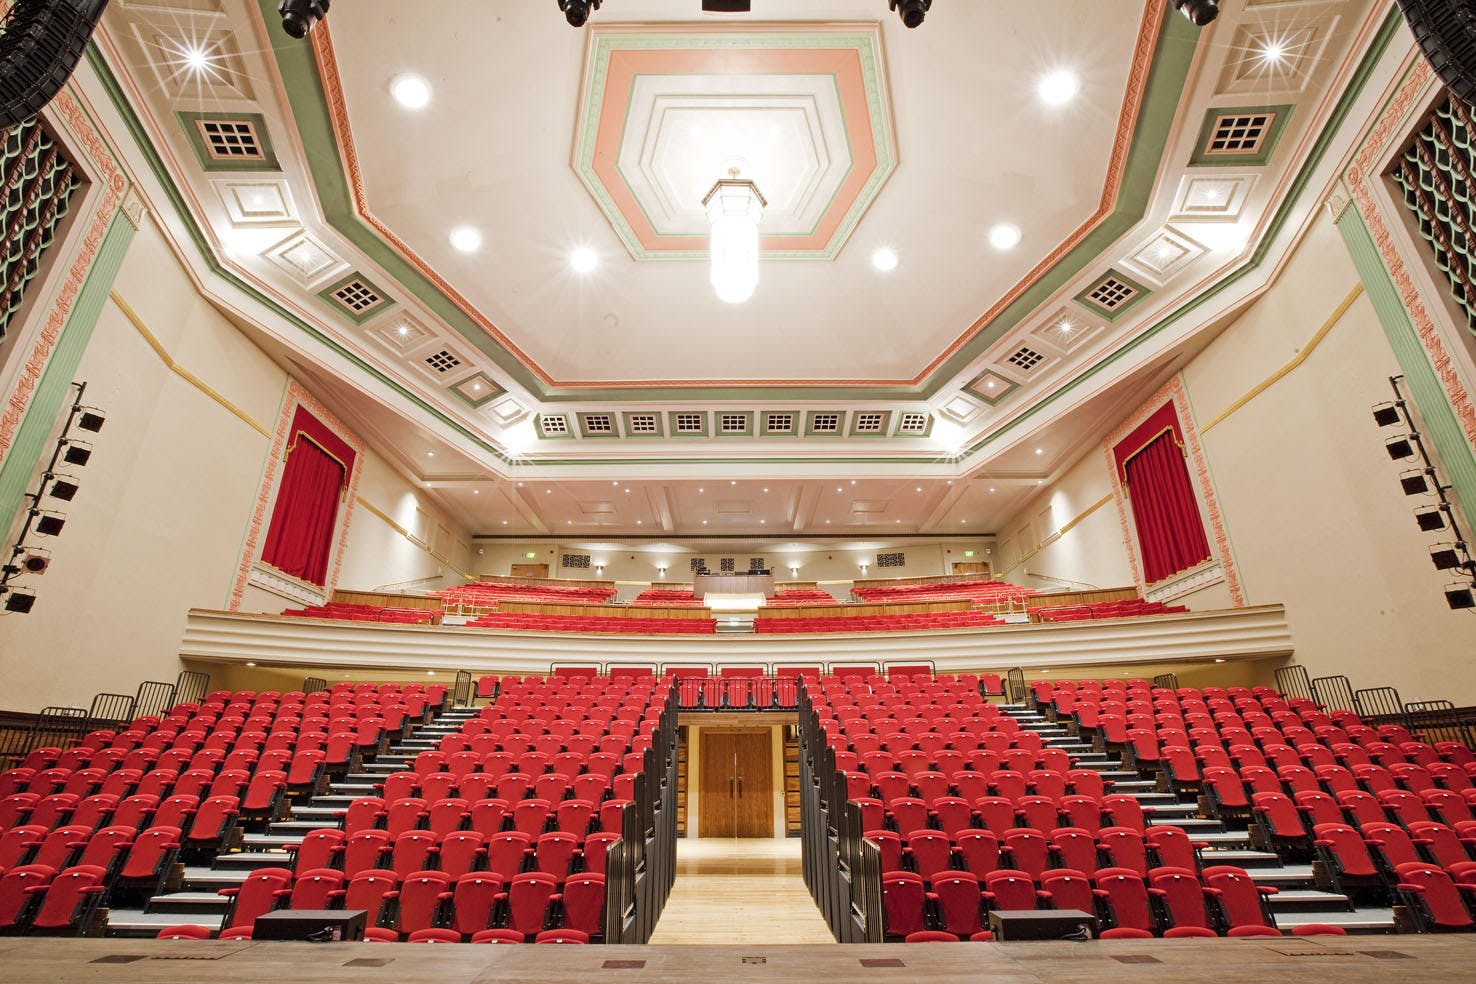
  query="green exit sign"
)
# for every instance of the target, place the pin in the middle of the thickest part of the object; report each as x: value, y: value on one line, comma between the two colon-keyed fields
x: 968, y: 553
x: 534, y: 553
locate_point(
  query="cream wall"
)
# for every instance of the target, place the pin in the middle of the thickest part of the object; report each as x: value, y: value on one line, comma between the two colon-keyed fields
x: 1311, y: 503
x: 1089, y: 554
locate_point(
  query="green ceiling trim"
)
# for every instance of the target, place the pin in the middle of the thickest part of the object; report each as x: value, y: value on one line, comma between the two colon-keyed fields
x: 1391, y: 27
x: 1177, y: 43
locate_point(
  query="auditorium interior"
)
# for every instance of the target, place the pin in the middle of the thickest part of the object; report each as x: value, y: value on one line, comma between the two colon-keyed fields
x: 740, y: 493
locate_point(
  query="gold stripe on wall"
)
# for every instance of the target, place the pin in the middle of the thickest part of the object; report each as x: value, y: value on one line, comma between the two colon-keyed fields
x: 1287, y: 369
x: 153, y: 342
x: 181, y: 371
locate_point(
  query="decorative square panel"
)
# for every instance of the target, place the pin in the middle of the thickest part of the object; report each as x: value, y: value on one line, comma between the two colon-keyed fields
x: 304, y: 259
x: 1217, y: 198
x: 1244, y: 135
x: 824, y: 422
x: 441, y: 361
x: 780, y: 422
x: 230, y: 141
x: 205, y: 68
x: 476, y: 390
x: 598, y: 424
x: 642, y: 424
x: 402, y: 334
x: 914, y: 424
x: 357, y: 297
x: 870, y: 423
x: 509, y: 411
x: 961, y: 408
x: 991, y: 387
x: 553, y: 425
x: 813, y: 97
x: 256, y: 201
x: 1164, y: 256
x: 1025, y: 359
x: 1112, y: 294
x: 1066, y: 330
x: 735, y: 423
x: 687, y: 423
x: 1278, y: 54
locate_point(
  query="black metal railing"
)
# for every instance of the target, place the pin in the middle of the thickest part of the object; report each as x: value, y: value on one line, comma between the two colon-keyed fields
x: 1334, y: 693
x: 740, y: 693
x: 1294, y: 682
x: 1169, y: 681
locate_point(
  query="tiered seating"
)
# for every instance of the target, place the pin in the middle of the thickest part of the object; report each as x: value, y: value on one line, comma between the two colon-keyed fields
x: 504, y: 827
x: 1134, y: 608
x: 982, y: 592
x: 107, y: 821
x: 542, y: 622
x: 797, y: 597
x: 903, y: 622
x: 367, y: 613
x: 667, y: 597
x: 486, y: 594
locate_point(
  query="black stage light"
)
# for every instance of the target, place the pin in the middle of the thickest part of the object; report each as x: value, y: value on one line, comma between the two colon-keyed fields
x: 1459, y: 596
x: 1386, y: 414
x: 63, y: 487
x: 21, y: 601
x: 1199, y: 12
x: 301, y: 16
x: 912, y: 12
x: 77, y: 452
x: 1445, y: 556
x: 30, y: 560
x: 48, y: 523
x: 91, y: 419
x: 1413, y: 482
x: 577, y: 12
x: 726, y: 6
x: 1430, y: 520
x: 1399, y: 447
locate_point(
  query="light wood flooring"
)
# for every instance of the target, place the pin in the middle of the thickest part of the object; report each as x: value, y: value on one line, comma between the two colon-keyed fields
x: 730, y: 891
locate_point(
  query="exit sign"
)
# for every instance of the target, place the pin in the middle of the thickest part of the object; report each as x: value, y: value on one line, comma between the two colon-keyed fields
x: 534, y: 553
x: 968, y: 553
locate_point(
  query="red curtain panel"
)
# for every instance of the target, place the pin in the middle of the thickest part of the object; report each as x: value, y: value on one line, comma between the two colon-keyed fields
x: 1165, y: 511
x: 299, y: 539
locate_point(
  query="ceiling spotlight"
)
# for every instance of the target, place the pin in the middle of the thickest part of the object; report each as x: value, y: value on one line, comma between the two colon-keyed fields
x: 1430, y: 520
x: 912, y: 12
x: 90, y: 419
x: 1387, y: 414
x: 77, y: 452
x: 1413, y: 482
x: 576, y: 12
x: 584, y: 260
x: 63, y: 487
x: 465, y: 239
x: 300, y: 16
x: 21, y: 602
x: 30, y: 560
x: 1457, y: 596
x: 1058, y: 88
x: 1272, y: 52
x: 1198, y: 12
x: 1446, y: 556
x: 48, y: 523
x: 411, y: 91
x: 1004, y: 236
x: 1399, y: 447
x: 884, y: 259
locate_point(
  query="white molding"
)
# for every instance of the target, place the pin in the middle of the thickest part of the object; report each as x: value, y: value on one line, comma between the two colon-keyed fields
x: 1242, y: 633
x: 271, y: 580
x: 1186, y: 582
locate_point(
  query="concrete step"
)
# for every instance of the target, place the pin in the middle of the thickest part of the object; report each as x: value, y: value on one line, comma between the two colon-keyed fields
x: 1306, y: 899
x: 146, y: 925
x: 200, y: 879
x: 1361, y: 921
x: 247, y: 861
x: 1161, y: 807
x: 1285, y: 877
x: 260, y: 842
x: 1260, y: 862
x: 1216, y: 838
x: 1194, y: 826
x: 298, y: 827
x: 320, y: 815
x: 191, y: 902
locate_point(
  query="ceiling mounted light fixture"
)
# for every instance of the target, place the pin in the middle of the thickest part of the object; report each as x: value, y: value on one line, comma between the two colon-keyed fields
x: 576, y: 12
x: 912, y: 12
x: 1198, y: 12
x: 734, y: 210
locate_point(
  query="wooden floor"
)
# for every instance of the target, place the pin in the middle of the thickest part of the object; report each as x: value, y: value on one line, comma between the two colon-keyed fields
x: 1406, y: 959
x: 737, y: 892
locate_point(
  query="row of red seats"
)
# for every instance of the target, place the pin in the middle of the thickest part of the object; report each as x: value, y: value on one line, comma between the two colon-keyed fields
x: 664, y: 597
x: 1107, y: 609
x: 489, y: 593
x: 798, y: 597
x: 933, y: 853
x: 260, y: 795
x: 981, y: 591
x: 531, y: 816
x: 133, y: 863
x: 595, y: 623
x: 505, y: 852
x: 367, y: 613
x: 907, y: 621
x: 954, y: 815
x: 38, y: 900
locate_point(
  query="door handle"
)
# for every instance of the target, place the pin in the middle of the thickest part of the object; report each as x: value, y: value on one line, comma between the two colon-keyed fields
x: 730, y: 788
x: 740, y: 787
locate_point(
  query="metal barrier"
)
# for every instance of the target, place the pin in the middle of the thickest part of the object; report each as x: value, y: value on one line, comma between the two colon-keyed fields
x: 191, y: 687
x: 745, y: 693
x: 1293, y: 681
x: 1381, y: 703
x: 1334, y: 693
x: 1016, y: 689
x: 462, y: 692
x: 313, y: 685
x: 1439, y: 720
x: 153, y: 698
x: 110, y: 710
x: 1169, y: 681
x: 54, y: 727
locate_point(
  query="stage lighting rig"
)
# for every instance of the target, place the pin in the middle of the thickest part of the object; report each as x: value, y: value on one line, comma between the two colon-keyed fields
x: 912, y: 12
x: 1198, y: 12
x: 300, y: 16
x: 577, y: 12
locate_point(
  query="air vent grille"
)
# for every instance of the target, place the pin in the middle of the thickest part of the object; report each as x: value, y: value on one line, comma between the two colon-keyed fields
x: 231, y: 140
x: 870, y: 423
x: 442, y: 362
x: 897, y: 559
x: 689, y: 423
x: 1026, y: 359
x: 825, y: 423
x: 576, y: 561
x: 642, y: 423
x: 913, y: 423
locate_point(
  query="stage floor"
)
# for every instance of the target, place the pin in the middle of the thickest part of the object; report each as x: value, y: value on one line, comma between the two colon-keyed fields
x: 1353, y: 960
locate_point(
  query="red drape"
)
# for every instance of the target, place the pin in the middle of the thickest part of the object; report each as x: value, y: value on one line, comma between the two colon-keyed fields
x: 299, y: 539
x: 1165, y: 511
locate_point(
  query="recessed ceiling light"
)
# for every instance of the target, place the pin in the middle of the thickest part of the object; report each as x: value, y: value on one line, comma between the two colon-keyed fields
x: 991, y: 490
x: 989, y: 384
x: 584, y: 260
x: 1058, y: 88
x: 964, y: 522
x: 476, y: 491
x: 884, y: 259
x: 1040, y: 481
x: 250, y: 664
x: 548, y: 491
x: 615, y: 483
x: 430, y: 454
x: 762, y: 522
x: 568, y: 522
x: 704, y: 522
x: 1004, y: 236
x: 827, y: 522
x: 919, y: 488
x: 638, y: 522
x: 839, y: 489
x: 899, y: 520
x: 699, y: 490
x: 504, y: 522
x: 411, y: 91
x: 402, y: 331
x: 466, y: 239
x: 732, y: 482
x: 949, y: 482
x: 1040, y: 451
x: 766, y: 490
x: 1273, y: 52
x: 195, y: 58
x: 853, y: 481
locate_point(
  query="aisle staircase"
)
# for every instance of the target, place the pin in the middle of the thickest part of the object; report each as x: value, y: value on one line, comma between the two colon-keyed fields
x: 193, y: 898
x: 1298, y: 900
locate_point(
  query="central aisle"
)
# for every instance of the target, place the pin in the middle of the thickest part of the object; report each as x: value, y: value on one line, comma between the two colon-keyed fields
x: 740, y: 891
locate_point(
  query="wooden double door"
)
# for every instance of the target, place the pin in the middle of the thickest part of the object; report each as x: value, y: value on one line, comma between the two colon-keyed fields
x: 736, y: 797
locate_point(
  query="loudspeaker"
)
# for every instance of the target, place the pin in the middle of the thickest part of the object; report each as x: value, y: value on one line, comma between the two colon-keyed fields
x: 42, y: 42
x: 1446, y: 31
x: 313, y: 925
